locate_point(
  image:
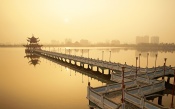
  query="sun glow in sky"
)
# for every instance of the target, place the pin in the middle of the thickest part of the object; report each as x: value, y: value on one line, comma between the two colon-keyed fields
x: 95, y: 20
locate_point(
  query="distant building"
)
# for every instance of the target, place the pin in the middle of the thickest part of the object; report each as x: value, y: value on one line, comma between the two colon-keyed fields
x: 115, y: 42
x: 54, y: 42
x: 155, y: 39
x: 84, y: 42
x: 142, y: 39
x: 68, y: 41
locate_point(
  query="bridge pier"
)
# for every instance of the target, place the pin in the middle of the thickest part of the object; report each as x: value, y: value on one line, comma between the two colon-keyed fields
x: 91, y: 105
x: 109, y: 71
x: 168, y: 80
x: 82, y: 65
x: 88, y: 66
x: 92, y: 67
x: 160, y: 100
x: 69, y: 61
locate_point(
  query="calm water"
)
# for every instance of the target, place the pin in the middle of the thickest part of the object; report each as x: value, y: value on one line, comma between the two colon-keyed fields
x: 48, y: 85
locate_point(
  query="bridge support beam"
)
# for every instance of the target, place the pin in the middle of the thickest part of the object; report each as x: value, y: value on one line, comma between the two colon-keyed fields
x: 102, y: 71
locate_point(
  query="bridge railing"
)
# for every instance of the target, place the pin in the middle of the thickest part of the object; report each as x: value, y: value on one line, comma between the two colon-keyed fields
x: 148, y: 89
x: 110, y: 65
x: 142, y: 102
x: 100, y: 100
x: 114, y: 87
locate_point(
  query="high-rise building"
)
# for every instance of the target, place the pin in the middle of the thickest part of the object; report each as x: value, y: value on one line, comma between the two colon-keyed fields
x: 142, y: 39
x: 155, y: 39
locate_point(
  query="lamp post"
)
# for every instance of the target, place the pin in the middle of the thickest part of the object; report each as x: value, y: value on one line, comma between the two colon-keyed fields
x: 155, y: 61
x: 147, y: 59
x: 82, y: 52
x: 139, y: 62
x: 75, y: 52
x: 88, y: 53
x: 136, y: 66
x: 164, y: 68
x: 123, y: 87
x: 102, y: 55
x: 109, y: 56
x: 165, y: 59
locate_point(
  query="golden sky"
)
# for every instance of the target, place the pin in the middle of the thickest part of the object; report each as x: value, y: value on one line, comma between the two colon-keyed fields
x: 95, y: 20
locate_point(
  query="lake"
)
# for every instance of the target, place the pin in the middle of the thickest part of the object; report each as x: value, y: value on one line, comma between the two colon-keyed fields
x: 48, y: 85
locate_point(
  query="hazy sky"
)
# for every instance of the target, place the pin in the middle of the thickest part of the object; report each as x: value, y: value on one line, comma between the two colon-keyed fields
x: 95, y: 20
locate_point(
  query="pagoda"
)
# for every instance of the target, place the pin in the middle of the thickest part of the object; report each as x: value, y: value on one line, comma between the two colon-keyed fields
x: 33, y: 43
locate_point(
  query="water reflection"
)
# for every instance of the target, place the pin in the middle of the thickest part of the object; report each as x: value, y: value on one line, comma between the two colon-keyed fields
x: 33, y: 58
x: 104, y: 78
x: 164, y: 97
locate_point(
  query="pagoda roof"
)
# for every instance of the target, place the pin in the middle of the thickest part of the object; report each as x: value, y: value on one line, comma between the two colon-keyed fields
x: 33, y: 39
